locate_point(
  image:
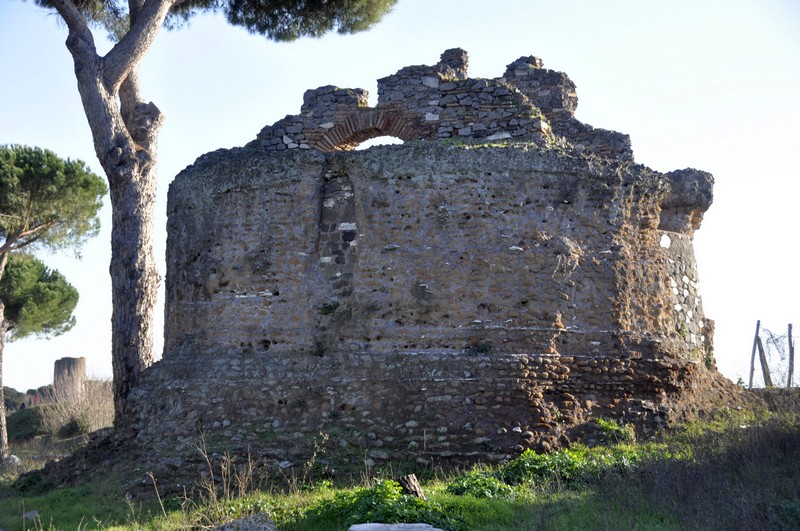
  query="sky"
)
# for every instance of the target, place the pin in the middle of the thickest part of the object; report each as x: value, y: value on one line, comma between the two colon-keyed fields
x: 713, y: 85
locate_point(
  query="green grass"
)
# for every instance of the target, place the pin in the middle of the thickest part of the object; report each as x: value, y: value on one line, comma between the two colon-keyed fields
x: 739, y: 470
x: 95, y: 506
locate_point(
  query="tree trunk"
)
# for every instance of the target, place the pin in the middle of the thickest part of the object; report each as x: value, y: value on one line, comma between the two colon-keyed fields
x: 124, y: 130
x: 4, y: 450
x: 134, y: 282
x: 127, y: 156
x: 753, y: 355
x: 764, y: 366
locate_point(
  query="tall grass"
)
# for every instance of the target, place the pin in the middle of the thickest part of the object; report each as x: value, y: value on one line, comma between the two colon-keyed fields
x: 93, y: 410
x: 53, y: 429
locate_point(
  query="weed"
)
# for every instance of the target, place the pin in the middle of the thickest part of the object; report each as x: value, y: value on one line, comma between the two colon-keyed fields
x: 741, y: 469
x: 74, y: 427
x: 227, y: 492
x: 92, y: 411
x: 616, y: 431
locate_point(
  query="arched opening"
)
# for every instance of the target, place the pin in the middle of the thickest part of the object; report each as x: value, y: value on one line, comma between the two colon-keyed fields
x: 366, y: 124
x: 383, y: 140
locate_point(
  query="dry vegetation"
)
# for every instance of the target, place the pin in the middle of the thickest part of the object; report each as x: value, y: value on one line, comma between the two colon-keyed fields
x: 94, y: 410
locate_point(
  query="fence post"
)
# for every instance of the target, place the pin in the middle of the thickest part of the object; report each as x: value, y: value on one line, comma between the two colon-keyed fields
x: 764, y: 367
x: 753, y: 355
x: 791, y: 358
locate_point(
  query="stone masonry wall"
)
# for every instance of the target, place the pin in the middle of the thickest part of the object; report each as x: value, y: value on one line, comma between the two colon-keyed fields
x: 496, y: 286
x: 440, y: 102
x: 425, y: 301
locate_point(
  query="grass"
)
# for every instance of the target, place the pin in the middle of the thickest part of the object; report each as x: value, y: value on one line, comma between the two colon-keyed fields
x: 739, y: 470
x: 78, y: 508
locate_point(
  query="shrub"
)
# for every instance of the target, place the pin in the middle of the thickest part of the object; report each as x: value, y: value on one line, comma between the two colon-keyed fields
x: 564, y: 465
x: 12, y: 399
x: 579, y: 463
x: 25, y: 424
x: 480, y: 484
x: 75, y: 426
x: 382, y: 503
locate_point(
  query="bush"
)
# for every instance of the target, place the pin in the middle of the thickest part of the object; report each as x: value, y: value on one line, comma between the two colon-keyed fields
x: 74, y: 427
x: 382, y: 503
x: 12, y: 399
x: 94, y: 410
x: 480, y: 484
x: 25, y: 424
x: 564, y: 465
x: 579, y: 463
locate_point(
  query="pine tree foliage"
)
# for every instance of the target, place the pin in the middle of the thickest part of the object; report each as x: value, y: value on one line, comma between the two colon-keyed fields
x: 39, y: 301
x: 279, y: 20
x: 46, y: 201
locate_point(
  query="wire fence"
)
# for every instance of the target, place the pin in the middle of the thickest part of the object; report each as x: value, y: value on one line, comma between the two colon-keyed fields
x: 772, y: 359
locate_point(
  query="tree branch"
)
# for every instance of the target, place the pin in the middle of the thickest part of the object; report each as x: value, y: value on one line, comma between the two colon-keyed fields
x: 80, y: 40
x: 12, y: 241
x: 35, y: 238
x: 3, y: 262
x: 126, y: 55
x: 129, y: 96
x: 35, y: 230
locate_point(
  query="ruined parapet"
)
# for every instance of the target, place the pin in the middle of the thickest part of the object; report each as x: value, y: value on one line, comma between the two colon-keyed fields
x: 437, y: 102
x: 554, y: 93
x: 69, y: 379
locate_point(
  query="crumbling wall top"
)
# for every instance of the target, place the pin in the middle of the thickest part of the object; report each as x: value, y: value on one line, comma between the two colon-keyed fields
x: 438, y: 102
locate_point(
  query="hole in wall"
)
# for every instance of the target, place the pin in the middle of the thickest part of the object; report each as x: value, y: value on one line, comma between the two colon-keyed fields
x: 379, y: 141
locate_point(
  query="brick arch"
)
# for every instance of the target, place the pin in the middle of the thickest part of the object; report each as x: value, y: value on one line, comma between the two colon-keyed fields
x: 364, y: 124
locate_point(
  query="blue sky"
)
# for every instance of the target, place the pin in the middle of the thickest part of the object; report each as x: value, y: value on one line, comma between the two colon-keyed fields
x: 712, y: 85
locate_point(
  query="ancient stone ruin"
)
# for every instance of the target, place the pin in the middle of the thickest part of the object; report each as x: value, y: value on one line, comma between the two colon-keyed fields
x: 498, y: 282
x: 440, y: 102
x: 69, y: 379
